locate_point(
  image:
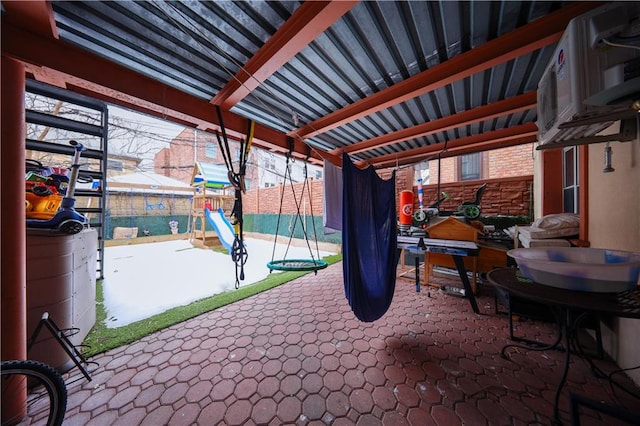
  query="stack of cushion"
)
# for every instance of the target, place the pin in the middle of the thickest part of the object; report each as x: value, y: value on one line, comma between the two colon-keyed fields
x: 550, y: 230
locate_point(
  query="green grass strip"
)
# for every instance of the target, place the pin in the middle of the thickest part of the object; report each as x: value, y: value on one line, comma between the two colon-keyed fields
x: 101, y: 339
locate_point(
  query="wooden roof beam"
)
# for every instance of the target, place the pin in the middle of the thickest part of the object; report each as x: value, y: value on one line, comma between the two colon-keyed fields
x: 35, y: 16
x: 526, y: 39
x: 99, y: 78
x: 517, y: 135
x: 483, y: 146
x: 512, y: 105
x: 308, y: 21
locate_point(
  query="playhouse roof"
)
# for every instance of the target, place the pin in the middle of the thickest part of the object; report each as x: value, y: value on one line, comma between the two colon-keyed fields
x: 147, y: 182
x: 211, y: 175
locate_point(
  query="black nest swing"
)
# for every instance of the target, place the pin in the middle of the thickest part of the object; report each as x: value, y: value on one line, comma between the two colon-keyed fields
x: 311, y: 264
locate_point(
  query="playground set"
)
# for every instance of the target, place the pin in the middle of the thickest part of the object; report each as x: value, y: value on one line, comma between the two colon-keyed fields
x: 204, y: 209
x: 228, y: 223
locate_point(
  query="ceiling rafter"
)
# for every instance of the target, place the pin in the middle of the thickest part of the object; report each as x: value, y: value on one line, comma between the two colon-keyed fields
x: 528, y: 38
x: 462, y: 150
x: 512, y: 105
x: 35, y: 16
x: 97, y: 77
x: 488, y: 140
x: 29, y: 34
x: 308, y: 21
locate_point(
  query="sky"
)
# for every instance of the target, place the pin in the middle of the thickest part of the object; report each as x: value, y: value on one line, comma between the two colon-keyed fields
x: 163, y: 128
x: 159, y: 133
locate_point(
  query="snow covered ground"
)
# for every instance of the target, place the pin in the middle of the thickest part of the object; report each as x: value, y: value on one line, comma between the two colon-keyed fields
x: 146, y: 279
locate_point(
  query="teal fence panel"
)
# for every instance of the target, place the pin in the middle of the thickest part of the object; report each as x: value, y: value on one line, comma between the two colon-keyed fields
x: 266, y: 224
x: 155, y: 225
x: 258, y: 223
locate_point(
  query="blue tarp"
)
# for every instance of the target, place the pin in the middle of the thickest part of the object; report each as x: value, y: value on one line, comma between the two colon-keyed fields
x: 213, y: 175
x: 369, y: 240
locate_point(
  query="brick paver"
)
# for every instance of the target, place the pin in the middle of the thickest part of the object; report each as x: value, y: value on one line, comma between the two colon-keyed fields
x: 296, y: 354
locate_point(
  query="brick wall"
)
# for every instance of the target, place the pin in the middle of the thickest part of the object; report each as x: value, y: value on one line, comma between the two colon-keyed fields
x: 448, y: 170
x: 160, y: 160
x: 267, y: 200
x: 511, y: 161
x: 504, y: 196
x: 178, y: 160
x: 497, y: 163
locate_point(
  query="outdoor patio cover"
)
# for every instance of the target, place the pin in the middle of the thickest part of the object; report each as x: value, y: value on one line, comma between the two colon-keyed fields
x: 369, y: 240
x: 211, y: 175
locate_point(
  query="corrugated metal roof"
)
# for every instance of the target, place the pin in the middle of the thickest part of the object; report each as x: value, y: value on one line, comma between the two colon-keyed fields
x: 365, y: 51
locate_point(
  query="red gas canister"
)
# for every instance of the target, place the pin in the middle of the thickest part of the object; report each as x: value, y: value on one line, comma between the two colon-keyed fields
x: 406, y: 209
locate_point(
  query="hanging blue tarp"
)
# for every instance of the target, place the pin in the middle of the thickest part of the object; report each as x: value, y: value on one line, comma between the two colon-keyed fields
x: 210, y: 175
x: 369, y: 240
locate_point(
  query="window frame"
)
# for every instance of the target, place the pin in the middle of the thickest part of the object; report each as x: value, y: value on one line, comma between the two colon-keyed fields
x: 209, y: 146
x: 570, y: 180
x: 480, y: 166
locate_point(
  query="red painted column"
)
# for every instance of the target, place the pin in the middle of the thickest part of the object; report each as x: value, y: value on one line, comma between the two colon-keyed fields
x: 551, y: 181
x: 12, y: 228
x: 583, y: 191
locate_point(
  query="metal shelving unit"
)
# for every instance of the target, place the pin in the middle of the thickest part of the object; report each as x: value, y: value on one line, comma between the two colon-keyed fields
x: 85, y: 120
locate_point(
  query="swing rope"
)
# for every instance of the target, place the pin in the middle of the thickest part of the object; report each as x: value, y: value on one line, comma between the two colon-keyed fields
x: 285, y: 264
x: 238, y: 250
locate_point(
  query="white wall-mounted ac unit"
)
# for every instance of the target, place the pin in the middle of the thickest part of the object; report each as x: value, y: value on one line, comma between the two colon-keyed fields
x: 594, y: 71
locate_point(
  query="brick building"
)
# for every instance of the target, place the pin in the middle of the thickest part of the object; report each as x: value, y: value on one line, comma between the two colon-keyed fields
x: 495, y: 164
x: 264, y: 169
x: 191, y: 145
x: 509, y: 168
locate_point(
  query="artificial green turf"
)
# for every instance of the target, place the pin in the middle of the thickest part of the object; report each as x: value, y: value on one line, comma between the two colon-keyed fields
x: 100, y: 339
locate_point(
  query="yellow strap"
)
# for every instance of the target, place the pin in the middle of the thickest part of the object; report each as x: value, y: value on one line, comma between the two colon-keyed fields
x: 252, y: 128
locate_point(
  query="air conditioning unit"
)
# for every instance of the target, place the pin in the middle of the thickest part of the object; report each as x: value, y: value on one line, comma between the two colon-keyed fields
x: 594, y: 72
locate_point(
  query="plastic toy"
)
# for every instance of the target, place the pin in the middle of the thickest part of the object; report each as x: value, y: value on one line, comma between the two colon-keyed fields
x: 47, y: 215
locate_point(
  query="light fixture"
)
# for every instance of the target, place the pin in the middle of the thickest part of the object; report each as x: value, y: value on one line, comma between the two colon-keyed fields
x: 607, y: 159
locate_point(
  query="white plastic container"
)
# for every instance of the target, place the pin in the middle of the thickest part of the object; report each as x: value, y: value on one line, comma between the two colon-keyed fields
x: 579, y: 268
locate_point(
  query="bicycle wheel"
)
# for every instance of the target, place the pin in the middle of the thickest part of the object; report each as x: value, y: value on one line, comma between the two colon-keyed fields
x: 32, y: 393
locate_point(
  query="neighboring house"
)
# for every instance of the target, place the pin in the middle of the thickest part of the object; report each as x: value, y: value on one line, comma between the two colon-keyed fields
x: 178, y: 160
x: 264, y: 168
x: 271, y: 169
x: 122, y: 164
x: 498, y: 163
x: 147, y: 201
x: 116, y: 164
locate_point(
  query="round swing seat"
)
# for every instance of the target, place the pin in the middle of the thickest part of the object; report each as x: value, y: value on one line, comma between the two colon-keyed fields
x: 297, y: 265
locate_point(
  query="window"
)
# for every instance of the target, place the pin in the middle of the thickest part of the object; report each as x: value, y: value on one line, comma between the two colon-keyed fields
x: 211, y: 149
x: 270, y: 163
x: 269, y: 184
x: 247, y: 184
x: 318, y: 174
x: 570, y: 180
x: 470, y: 166
x: 237, y: 155
x: 115, y: 165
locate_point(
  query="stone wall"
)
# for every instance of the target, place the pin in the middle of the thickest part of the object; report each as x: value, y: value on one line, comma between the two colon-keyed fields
x: 505, y: 196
